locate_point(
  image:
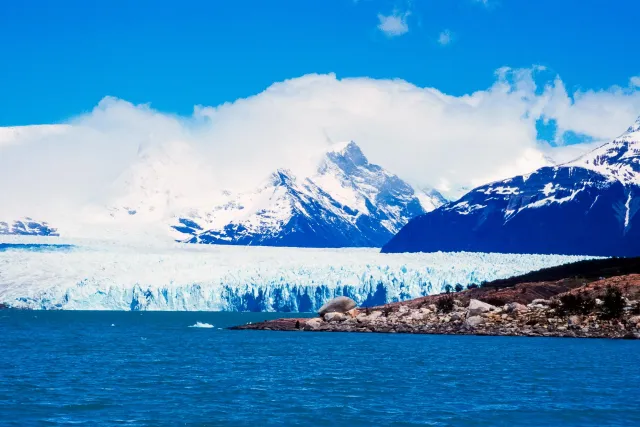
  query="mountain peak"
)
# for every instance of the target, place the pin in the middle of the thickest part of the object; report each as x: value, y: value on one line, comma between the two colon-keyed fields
x: 635, y: 127
x: 347, y: 151
x: 281, y: 177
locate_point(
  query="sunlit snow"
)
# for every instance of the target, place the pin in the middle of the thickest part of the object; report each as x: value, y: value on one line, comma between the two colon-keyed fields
x: 100, y: 275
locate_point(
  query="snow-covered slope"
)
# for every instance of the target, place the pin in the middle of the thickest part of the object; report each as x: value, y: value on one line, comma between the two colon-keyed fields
x: 587, y: 206
x: 96, y: 275
x: 348, y: 202
x: 170, y: 193
x: 27, y: 227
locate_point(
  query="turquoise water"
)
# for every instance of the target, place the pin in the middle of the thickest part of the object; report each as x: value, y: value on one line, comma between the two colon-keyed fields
x: 139, y: 369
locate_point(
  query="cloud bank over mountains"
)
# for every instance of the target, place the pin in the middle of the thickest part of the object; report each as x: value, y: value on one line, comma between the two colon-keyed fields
x: 425, y: 136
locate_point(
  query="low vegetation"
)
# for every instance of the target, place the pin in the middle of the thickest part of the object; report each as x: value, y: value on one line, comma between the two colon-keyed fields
x: 575, y: 304
x: 612, y: 304
x: 588, y: 270
x: 445, y: 304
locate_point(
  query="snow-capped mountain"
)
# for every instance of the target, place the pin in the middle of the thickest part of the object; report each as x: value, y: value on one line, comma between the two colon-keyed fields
x: 587, y: 206
x: 27, y: 227
x: 347, y: 202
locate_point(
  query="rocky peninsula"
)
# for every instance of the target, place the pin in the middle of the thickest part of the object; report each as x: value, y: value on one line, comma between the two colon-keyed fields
x: 607, y: 308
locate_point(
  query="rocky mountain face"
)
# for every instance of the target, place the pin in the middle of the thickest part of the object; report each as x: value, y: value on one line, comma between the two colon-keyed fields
x: 585, y: 207
x: 27, y: 227
x: 347, y: 202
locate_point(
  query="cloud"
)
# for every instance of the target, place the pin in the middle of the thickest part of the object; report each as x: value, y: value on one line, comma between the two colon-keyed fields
x: 445, y: 37
x: 121, y: 153
x: 635, y: 81
x: 395, y: 24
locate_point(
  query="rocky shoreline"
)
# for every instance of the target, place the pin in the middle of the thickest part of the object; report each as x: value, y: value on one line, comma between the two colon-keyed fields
x: 608, y: 308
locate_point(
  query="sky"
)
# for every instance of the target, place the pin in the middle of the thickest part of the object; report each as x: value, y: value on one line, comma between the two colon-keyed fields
x: 61, y: 58
x: 445, y: 93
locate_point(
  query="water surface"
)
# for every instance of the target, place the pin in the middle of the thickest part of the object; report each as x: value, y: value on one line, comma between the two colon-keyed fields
x: 135, y: 369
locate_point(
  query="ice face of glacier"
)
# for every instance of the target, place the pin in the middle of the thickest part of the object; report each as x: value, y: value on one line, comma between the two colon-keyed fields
x: 92, y: 275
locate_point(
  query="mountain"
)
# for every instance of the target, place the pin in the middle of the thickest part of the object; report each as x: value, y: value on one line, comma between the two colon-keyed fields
x: 347, y: 202
x: 588, y: 206
x: 27, y: 227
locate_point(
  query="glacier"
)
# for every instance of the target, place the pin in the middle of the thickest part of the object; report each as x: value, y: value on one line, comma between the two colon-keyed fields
x: 58, y: 274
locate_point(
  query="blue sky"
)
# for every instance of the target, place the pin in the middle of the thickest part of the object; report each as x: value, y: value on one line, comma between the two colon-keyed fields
x: 61, y: 58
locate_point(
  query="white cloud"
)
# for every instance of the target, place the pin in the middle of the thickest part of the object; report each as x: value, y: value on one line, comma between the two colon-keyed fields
x: 635, y: 81
x: 395, y: 24
x: 422, y: 134
x: 445, y: 37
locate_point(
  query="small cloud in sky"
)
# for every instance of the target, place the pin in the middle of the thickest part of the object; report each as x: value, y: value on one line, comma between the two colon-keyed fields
x: 395, y: 24
x: 445, y: 38
x: 635, y: 81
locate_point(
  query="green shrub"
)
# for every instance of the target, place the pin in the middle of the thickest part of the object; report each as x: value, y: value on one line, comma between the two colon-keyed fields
x: 445, y: 304
x: 612, y: 304
x: 459, y: 287
x: 576, y: 304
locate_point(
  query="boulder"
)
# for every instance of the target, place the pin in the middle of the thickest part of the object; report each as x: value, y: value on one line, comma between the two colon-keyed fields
x: 335, y: 317
x: 477, y: 307
x: 540, y: 301
x: 337, y: 305
x: 474, y: 321
x: 516, y: 307
x: 374, y: 315
x: 313, y: 324
x: 575, y: 320
x: 634, y: 320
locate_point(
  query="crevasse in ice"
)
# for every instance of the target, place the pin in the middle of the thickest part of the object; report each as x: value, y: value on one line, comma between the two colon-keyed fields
x: 100, y: 276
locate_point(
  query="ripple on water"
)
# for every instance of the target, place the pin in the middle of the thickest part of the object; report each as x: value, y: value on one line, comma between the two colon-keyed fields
x: 73, y: 368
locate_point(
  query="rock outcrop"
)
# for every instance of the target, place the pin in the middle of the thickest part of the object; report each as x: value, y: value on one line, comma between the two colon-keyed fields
x: 541, y: 317
x: 337, y: 305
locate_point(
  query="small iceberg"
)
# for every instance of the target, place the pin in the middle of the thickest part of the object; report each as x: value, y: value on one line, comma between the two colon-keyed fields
x: 201, y: 325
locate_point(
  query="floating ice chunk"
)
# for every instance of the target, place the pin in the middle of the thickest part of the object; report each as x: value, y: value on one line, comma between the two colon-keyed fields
x: 202, y: 325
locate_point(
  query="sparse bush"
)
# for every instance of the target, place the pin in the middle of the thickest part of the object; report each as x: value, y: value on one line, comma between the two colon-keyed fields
x: 576, y: 304
x: 459, y: 287
x: 472, y: 286
x: 445, y: 304
x: 448, y: 289
x: 557, y: 306
x: 612, y: 304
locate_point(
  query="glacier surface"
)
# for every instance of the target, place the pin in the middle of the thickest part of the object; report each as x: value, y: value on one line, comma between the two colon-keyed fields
x: 97, y: 275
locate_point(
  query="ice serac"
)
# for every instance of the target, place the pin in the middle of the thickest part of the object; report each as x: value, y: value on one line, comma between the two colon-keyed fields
x: 86, y: 275
x: 347, y: 202
x: 27, y: 227
x: 587, y: 206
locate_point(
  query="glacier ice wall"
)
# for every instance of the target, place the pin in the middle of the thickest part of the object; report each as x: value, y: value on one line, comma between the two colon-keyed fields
x: 100, y: 276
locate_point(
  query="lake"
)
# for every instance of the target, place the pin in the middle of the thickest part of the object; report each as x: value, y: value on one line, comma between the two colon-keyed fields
x: 154, y: 368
